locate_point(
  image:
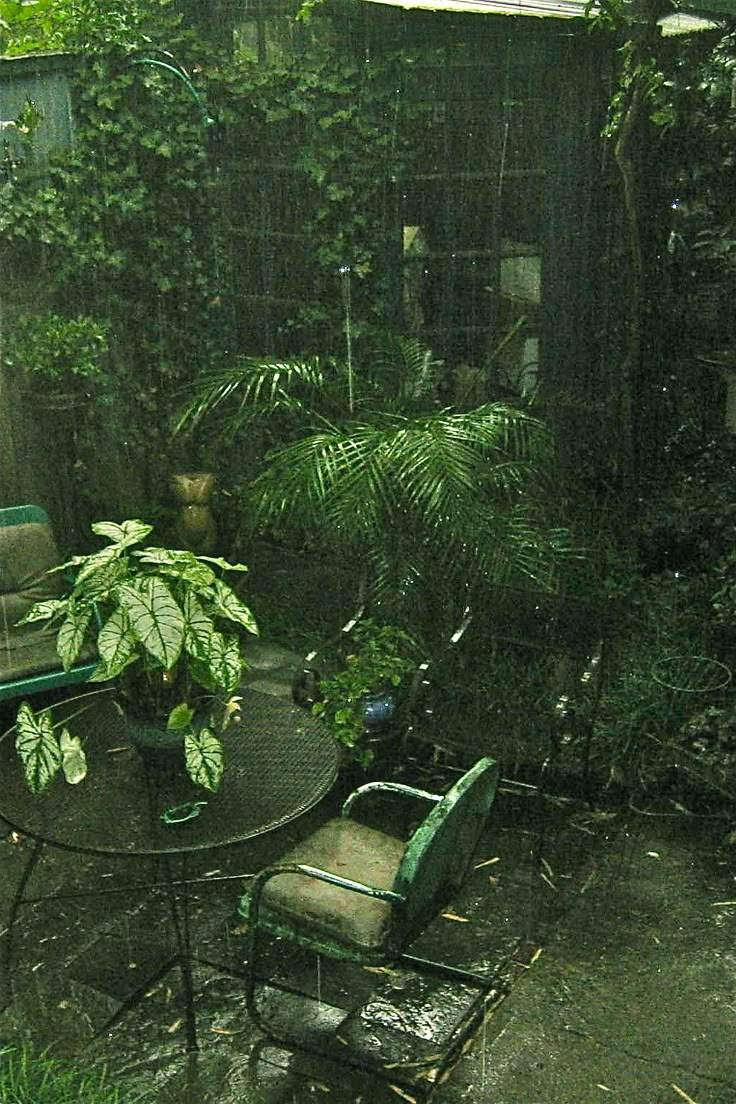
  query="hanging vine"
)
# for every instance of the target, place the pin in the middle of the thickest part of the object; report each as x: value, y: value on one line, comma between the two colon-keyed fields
x: 640, y: 98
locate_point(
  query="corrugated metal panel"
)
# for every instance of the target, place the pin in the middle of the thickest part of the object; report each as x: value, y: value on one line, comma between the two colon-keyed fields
x: 558, y: 9
x: 44, y: 81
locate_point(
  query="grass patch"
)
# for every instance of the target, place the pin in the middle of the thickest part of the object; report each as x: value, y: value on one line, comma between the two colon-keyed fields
x: 27, y: 1077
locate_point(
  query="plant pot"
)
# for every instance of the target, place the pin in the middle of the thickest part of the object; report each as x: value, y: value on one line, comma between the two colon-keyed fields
x: 159, y: 746
x: 195, y: 525
x: 380, y: 711
x: 193, y: 488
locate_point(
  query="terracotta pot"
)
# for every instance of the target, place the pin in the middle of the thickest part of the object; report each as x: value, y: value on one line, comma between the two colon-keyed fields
x: 195, y: 526
x: 193, y: 488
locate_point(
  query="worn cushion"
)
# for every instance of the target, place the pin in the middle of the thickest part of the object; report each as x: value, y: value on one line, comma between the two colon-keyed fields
x: 351, y: 850
x: 27, y: 551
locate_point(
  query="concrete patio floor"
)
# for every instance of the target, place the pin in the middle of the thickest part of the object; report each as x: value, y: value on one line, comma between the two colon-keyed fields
x: 618, y: 949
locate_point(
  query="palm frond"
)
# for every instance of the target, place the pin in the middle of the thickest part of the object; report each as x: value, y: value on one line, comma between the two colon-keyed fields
x: 404, y: 374
x: 258, y: 388
x: 305, y: 484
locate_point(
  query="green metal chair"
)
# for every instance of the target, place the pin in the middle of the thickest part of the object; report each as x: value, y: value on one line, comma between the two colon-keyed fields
x: 355, y: 893
x: 29, y: 663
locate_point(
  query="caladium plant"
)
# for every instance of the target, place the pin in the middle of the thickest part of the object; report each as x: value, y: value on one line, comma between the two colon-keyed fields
x: 166, y: 626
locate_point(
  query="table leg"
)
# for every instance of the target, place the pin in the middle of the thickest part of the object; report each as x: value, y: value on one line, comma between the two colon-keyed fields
x: 7, y: 957
x: 179, y: 911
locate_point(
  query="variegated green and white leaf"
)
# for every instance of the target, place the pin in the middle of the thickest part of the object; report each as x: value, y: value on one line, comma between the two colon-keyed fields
x: 38, y: 747
x: 47, y: 610
x: 73, y: 759
x: 129, y: 532
x: 98, y: 561
x: 75, y: 561
x: 179, y: 564
x: 99, y: 584
x: 154, y: 555
x: 116, y: 644
x: 72, y: 633
x: 219, y: 562
x: 155, y: 618
x: 204, y: 758
x: 103, y: 673
x: 225, y: 662
x: 199, y: 628
x: 228, y: 605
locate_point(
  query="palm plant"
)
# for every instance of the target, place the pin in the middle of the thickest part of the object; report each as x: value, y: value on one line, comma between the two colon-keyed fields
x: 408, y: 489
x: 401, y: 375
x: 449, y: 494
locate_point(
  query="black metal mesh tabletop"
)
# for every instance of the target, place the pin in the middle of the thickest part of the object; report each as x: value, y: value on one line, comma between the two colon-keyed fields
x: 279, y: 762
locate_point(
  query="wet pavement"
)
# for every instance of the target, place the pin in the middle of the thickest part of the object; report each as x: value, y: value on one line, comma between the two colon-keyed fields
x: 613, y: 929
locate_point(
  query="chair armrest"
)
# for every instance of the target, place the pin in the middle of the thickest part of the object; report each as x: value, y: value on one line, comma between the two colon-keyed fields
x: 387, y: 787
x: 264, y: 877
x: 417, y: 708
x: 567, y: 711
x: 305, y: 686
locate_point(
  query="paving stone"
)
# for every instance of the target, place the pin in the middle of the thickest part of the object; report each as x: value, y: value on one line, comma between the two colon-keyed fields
x: 264, y: 656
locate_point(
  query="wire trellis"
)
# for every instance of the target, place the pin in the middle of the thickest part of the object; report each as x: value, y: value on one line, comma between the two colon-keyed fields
x: 691, y: 674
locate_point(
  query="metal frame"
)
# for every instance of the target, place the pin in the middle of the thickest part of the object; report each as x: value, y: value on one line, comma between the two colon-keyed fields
x: 402, y: 932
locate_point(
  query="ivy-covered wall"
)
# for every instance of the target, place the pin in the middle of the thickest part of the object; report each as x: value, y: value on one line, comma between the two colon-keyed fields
x: 407, y: 171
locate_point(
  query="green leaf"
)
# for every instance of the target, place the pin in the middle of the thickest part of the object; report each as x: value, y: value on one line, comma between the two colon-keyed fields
x: 44, y: 611
x: 204, y: 758
x: 219, y: 562
x: 72, y: 633
x: 130, y: 532
x: 116, y: 644
x: 200, y: 672
x: 37, y: 746
x: 73, y: 759
x: 223, y: 664
x: 199, y: 628
x: 155, y: 618
x: 228, y: 605
x: 180, y: 717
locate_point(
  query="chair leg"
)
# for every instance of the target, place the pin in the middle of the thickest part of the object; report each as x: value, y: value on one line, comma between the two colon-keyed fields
x: 492, y: 995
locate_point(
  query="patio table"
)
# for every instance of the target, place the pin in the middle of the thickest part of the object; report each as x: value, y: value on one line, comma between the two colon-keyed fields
x: 279, y: 762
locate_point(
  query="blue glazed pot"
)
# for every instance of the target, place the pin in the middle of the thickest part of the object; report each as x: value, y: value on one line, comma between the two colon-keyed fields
x: 380, y: 710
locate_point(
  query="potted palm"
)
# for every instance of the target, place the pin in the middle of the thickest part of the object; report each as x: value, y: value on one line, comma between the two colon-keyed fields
x: 166, y: 628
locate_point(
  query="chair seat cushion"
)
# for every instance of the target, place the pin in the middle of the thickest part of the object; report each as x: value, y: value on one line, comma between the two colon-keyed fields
x: 351, y: 850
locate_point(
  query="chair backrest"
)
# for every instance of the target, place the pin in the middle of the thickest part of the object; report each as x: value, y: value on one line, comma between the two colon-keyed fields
x: 27, y: 551
x: 518, y: 665
x: 438, y: 856
x: 29, y: 662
